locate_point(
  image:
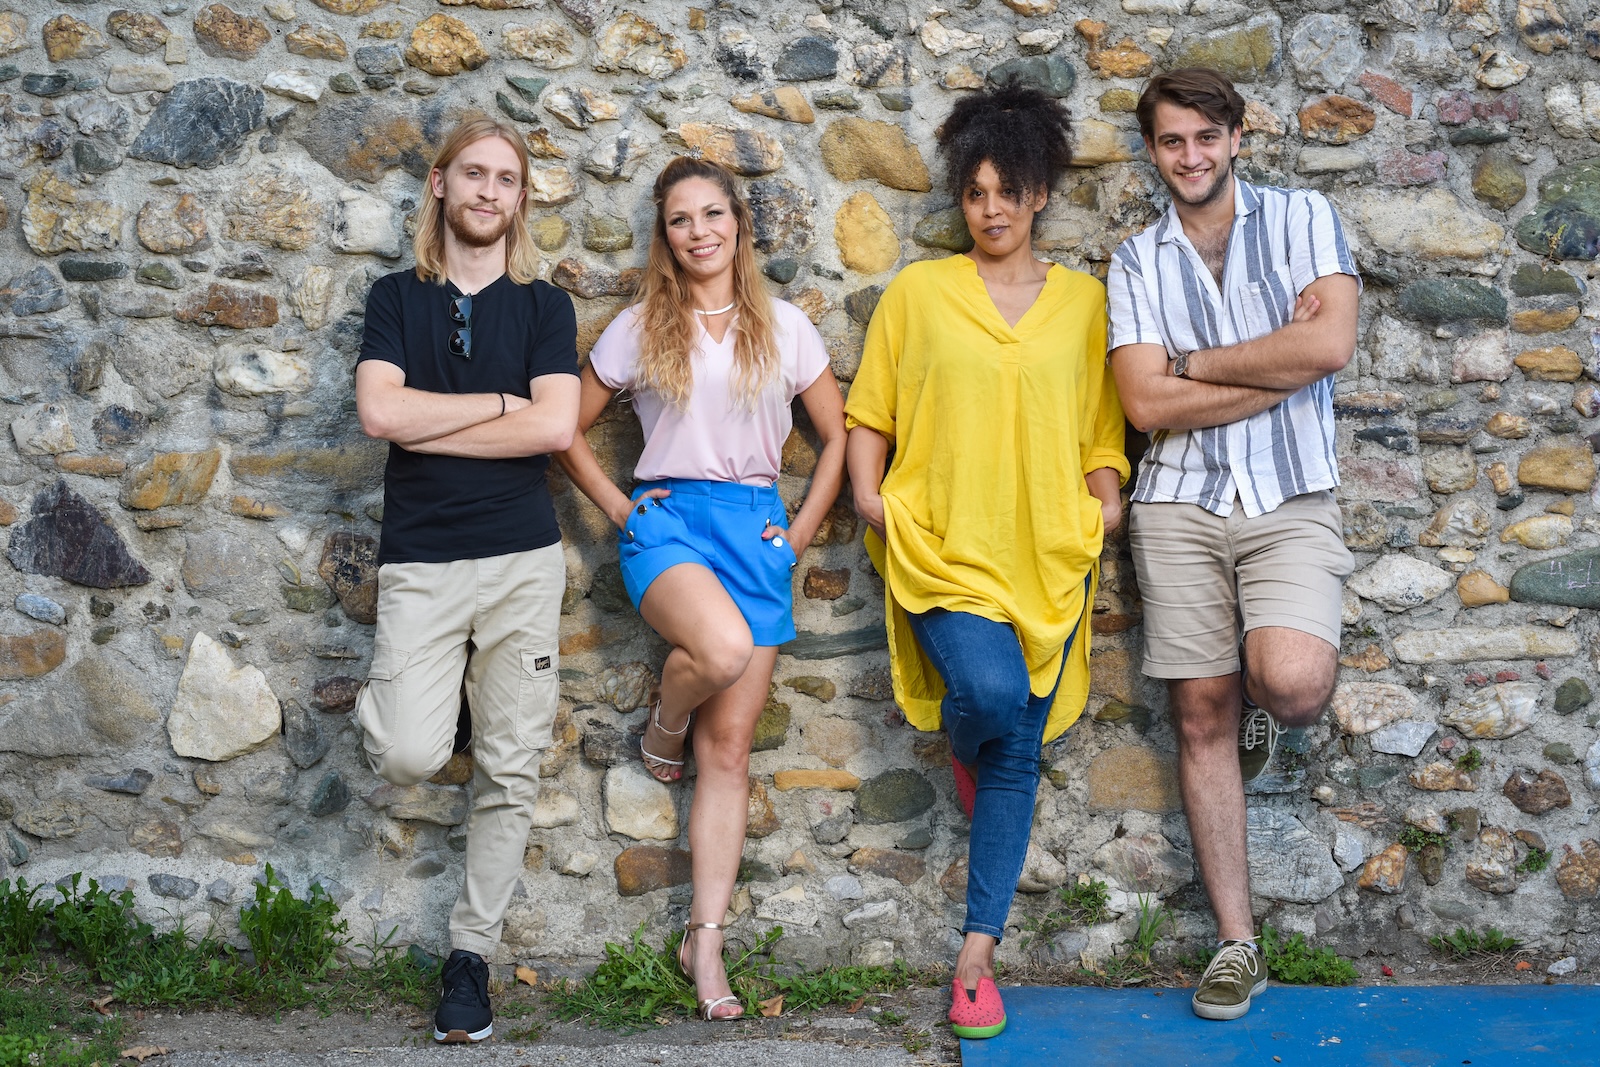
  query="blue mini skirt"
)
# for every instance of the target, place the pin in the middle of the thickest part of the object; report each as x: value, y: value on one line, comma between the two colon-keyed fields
x: 719, y: 526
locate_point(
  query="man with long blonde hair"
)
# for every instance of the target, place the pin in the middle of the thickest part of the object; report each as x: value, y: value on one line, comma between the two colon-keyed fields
x: 468, y: 369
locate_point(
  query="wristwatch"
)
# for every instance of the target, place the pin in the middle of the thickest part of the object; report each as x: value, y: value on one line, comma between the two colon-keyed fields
x: 1180, y: 365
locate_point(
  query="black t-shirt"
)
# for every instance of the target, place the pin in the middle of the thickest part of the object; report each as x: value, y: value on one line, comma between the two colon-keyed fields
x: 437, y: 509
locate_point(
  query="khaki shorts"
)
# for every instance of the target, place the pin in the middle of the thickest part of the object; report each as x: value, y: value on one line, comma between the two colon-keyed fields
x: 1207, y: 580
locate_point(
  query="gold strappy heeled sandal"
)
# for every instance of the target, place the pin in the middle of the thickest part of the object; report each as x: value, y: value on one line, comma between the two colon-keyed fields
x: 706, y: 1008
x: 654, y: 735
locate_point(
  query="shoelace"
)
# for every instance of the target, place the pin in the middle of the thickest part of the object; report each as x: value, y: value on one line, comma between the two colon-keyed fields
x: 1258, y: 728
x: 459, y: 986
x: 1231, y: 965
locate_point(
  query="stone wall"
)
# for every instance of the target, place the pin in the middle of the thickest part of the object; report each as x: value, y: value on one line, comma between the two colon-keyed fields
x: 195, y: 199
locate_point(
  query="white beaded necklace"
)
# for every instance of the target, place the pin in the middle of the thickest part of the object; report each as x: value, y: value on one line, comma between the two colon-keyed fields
x: 719, y: 311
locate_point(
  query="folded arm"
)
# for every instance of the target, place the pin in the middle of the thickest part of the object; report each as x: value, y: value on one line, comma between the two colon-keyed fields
x: 1236, y: 381
x: 392, y: 411
x: 1318, y: 341
x: 470, y: 425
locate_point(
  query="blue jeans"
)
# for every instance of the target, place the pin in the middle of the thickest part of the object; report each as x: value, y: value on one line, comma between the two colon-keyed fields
x: 996, y: 728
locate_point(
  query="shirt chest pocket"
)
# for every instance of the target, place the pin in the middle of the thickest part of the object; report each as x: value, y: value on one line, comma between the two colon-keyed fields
x: 1266, y: 305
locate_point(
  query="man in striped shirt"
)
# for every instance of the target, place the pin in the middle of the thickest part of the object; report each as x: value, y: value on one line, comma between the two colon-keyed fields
x: 1229, y: 317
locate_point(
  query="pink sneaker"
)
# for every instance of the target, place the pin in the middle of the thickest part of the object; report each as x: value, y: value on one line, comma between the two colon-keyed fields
x: 976, y: 1014
x: 966, y: 786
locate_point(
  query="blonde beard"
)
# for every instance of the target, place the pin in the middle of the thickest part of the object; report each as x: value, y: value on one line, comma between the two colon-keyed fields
x: 457, y: 219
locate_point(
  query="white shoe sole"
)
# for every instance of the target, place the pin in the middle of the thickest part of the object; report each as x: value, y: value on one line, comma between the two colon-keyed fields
x: 461, y: 1037
x: 1224, y: 1012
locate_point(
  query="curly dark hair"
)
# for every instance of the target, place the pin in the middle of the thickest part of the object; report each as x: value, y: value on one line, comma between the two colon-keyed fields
x: 1023, y: 133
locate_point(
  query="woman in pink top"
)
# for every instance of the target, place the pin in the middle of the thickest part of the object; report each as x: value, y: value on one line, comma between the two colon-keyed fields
x: 713, y: 364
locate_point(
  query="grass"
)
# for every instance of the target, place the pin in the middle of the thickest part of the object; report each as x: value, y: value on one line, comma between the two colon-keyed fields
x: 1134, y: 966
x: 60, y: 948
x: 1464, y: 943
x: 1297, y: 963
x: 39, y: 1026
x: 1415, y: 838
x: 638, y: 986
x: 1083, y: 903
x: 1537, y: 860
x: 1470, y: 760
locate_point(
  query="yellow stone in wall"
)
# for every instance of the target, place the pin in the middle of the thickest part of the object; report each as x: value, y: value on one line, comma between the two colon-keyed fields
x: 853, y: 149
x: 1569, y: 468
x: 865, y: 235
x: 445, y: 46
x: 171, y: 478
x: 58, y: 217
x: 784, y: 781
x: 961, y: 76
x: 318, y: 43
x: 67, y: 38
x: 550, y: 232
x: 13, y: 32
x: 1557, y: 364
x: 1544, y: 320
x: 350, y: 7
x: 1386, y: 872
x: 1097, y: 142
x: 785, y: 102
x: 1133, y: 776
x: 1477, y: 588
x: 1538, y: 532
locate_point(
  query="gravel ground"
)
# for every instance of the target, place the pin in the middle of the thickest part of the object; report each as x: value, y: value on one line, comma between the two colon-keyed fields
x: 903, y: 1028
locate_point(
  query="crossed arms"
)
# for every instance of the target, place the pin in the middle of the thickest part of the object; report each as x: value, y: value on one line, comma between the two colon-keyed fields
x: 1237, y: 381
x: 469, y: 425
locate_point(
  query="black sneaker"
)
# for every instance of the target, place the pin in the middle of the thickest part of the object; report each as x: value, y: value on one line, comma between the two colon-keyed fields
x: 464, y: 1016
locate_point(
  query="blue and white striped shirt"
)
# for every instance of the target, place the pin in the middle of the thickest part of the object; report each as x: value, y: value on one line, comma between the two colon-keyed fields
x: 1161, y: 292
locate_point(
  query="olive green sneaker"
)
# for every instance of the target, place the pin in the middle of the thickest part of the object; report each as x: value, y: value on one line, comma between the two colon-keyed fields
x: 1258, y: 740
x: 1237, y: 973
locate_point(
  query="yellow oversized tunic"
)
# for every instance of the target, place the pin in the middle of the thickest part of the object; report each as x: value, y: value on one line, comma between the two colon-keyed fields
x: 985, y: 505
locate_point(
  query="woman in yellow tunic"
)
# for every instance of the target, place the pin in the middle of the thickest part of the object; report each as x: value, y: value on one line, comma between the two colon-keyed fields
x: 985, y: 373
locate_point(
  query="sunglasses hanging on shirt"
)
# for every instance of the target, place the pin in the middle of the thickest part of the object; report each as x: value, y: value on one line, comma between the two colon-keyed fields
x: 461, y: 338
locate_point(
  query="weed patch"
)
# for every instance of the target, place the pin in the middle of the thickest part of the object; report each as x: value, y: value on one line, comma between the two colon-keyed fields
x: 1463, y: 942
x: 22, y: 918
x: 1470, y: 760
x: 39, y: 1025
x: 1415, y: 838
x: 638, y: 986
x: 292, y: 961
x: 1134, y: 966
x: 1297, y: 963
x: 1537, y: 860
x: 1083, y: 903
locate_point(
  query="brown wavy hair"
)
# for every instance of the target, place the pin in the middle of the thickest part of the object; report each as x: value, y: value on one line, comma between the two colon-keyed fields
x: 1198, y: 88
x: 427, y: 246
x: 666, y: 314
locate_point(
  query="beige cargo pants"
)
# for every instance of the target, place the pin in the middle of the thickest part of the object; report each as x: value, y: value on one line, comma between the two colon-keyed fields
x: 509, y: 608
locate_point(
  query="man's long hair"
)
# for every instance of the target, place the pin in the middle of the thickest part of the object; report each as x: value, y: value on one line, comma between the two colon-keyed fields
x: 522, y: 255
x: 667, y: 325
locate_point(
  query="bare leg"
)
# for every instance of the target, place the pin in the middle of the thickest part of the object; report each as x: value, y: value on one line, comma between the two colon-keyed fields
x: 1291, y: 673
x: 1206, y: 714
x: 720, y: 810
x: 976, y: 960
x: 711, y: 642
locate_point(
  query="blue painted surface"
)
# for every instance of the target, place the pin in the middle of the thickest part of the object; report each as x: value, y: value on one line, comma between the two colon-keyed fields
x: 1385, y: 1026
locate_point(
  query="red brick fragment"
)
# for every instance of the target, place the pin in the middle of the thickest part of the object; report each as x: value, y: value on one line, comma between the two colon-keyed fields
x: 1400, y: 167
x: 1388, y: 92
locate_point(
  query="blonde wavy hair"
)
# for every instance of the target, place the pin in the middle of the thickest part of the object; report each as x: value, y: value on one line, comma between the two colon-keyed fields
x: 666, y: 314
x: 522, y: 255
